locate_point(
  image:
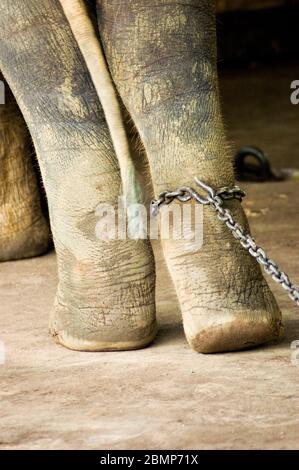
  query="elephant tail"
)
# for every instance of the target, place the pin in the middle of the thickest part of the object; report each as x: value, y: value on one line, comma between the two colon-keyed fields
x: 91, y: 49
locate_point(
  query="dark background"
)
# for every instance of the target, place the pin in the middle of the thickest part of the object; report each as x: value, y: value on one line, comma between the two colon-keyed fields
x: 251, y: 32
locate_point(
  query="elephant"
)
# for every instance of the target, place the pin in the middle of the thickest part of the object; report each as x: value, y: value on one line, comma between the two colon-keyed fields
x: 24, y: 228
x: 162, y: 61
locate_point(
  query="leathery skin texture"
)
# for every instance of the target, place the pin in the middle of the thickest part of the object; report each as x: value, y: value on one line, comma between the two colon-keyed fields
x: 162, y: 58
x: 24, y: 230
x: 106, y: 293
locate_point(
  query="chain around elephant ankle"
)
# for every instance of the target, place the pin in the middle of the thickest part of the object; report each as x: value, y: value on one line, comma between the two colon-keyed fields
x: 216, y: 199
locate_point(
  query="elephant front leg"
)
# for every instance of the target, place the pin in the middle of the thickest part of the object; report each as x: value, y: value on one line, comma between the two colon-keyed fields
x: 105, y: 297
x: 24, y: 231
x: 162, y: 56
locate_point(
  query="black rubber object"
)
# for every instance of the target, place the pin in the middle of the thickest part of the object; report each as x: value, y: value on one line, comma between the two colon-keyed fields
x: 252, y: 172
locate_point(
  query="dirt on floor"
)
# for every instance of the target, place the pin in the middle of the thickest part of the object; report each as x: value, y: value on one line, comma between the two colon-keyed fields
x: 165, y: 396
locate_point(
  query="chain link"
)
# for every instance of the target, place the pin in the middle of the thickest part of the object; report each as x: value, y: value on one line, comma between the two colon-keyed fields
x: 215, y: 199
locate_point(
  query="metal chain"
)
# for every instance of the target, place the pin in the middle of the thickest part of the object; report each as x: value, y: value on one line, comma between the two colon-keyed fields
x: 215, y: 199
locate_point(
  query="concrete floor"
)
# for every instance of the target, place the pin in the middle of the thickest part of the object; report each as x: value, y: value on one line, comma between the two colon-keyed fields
x: 165, y: 396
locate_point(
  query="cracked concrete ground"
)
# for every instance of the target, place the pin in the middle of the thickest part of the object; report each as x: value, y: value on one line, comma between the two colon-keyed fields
x: 165, y: 396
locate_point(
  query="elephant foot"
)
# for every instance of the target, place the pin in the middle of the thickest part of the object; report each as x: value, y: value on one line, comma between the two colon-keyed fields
x: 100, y: 336
x: 101, y: 308
x: 241, y: 332
x: 170, y: 88
x: 225, y: 301
x: 24, y: 234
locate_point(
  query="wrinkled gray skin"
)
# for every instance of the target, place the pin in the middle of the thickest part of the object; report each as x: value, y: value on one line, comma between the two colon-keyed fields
x: 24, y: 230
x: 162, y: 57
